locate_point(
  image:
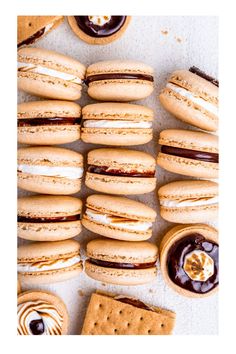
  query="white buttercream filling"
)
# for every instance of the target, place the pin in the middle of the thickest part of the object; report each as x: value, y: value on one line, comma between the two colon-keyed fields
x: 202, y: 265
x: 188, y: 203
x: 56, y: 264
x: 187, y: 94
x: 99, y: 20
x: 29, y: 67
x: 105, y: 219
x: 116, y: 124
x: 52, y: 171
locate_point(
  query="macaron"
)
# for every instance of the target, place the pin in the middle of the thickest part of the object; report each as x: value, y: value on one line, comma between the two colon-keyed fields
x: 48, y: 217
x: 99, y: 29
x: 119, y: 80
x: 48, y: 262
x: 189, y: 259
x: 190, y: 201
x: 121, y: 262
x: 32, y: 28
x: 117, y: 124
x: 18, y: 286
x: 48, y: 122
x: 49, y: 170
x: 120, y: 171
x: 118, y: 217
x: 41, y: 313
x: 190, y: 153
x: 49, y: 74
x: 192, y: 96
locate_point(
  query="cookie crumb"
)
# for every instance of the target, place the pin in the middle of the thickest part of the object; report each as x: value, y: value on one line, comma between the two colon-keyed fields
x: 81, y: 293
x: 103, y: 284
x: 178, y: 39
x: 165, y: 32
x: 150, y: 291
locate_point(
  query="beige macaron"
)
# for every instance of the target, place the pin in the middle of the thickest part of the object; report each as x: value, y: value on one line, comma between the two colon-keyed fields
x: 189, y: 201
x: 119, y: 80
x: 41, y: 313
x: 118, y: 124
x: 190, y: 153
x: 48, y: 262
x: 48, y: 217
x: 49, y: 74
x: 48, y: 122
x: 49, y: 170
x: 192, y: 99
x: 118, y: 217
x: 121, y: 262
x: 189, y: 260
x: 120, y: 171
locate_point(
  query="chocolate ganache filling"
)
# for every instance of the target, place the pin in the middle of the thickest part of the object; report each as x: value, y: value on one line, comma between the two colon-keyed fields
x: 205, y: 76
x: 190, y: 154
x: 34, y: 122
x: 105, y: 170
x: 122, y: 265
x: 48, y: 219
x: 118, y: 76
x: 32, y: 38
x: 98, y: 31
x: 176, y: 258
x: 134, y: 302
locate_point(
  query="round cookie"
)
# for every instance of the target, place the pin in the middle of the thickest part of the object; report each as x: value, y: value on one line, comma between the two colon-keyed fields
x: 48, y: 218
x: 121, y: 262
x: 190, y: 153
x: 41, y: 313
x: 99, y: 29
x: 117, y: 124
x: 119, y: 80
x: 118, y: 217
x: 48, y: 122
x: 120, y: 171
x: 49, y: 170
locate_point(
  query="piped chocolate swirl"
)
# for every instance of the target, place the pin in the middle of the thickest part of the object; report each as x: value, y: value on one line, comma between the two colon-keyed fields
x: 97, y: 30
x: 105, y: 170
x: 190, y: 154
x: 33, y: 122
x: 122, y: 265
x: 205, y: 76
x: 118, y: 76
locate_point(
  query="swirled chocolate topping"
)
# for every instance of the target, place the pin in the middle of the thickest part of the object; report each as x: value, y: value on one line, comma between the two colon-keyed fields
x: 111, y: 25
x: 190, y: 154
x: 118, y: 76
x: 105, y: 170
x: 48, y: 219
x: 205, y: 76
x: 33, y: 38
x: 34, y: 122
x: 122, y: 265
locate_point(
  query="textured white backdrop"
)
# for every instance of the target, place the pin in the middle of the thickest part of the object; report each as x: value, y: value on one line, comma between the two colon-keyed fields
x: 166, y: 43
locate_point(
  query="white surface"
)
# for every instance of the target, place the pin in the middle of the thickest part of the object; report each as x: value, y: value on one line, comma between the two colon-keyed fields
x: 188, y: 41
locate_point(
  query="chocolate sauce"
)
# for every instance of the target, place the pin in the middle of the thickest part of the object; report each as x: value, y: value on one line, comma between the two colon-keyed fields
x: 119, y: 265
x: 36, y: 327
x: 92, y: 30
x: 104, y: 170
x: 191, y: 154
x: 134, y: 302
x: 205, y: 76
x: 32, y: 38
x: 34, y: 122
x: 116, y: 76
x: 175, y: 263
x: 48, y: 220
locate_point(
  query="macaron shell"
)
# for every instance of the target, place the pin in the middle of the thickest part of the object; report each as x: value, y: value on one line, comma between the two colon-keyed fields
x: 120, y: 276
x: 48, y: 109
x: 119, y: 66
x: 120, y: 185
x: 188, y: 167
x: 18, y: 286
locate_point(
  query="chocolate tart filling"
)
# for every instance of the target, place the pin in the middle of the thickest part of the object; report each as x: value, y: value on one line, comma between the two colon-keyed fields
x: 134, y: 302
x: 48, y: 220
x: 116, y: 76
x: 32, y: 38
x: 97, y: 31
x: 119, y: 265
x: 205, y: 76
x: 105, y: 170
x: 176, y: 257
x: 190, y: 154
x: 34, y: 122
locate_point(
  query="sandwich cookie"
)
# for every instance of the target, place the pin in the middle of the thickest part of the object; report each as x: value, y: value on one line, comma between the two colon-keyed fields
x: 48, y: 262
x: 18, y: 287
x: 48, y: 218
x: 192, y: 96
x: 99, y: 29
x: 119, y: 80
x: 120, y: 171
x: 190, y: 153
x: 121, y: 262
x: 48, y: 122
x: 49, y: 170
x: 189, y: 260
x: 49, y: 74
x: 41, y: 313
x: 117, y: 124
x: 32, y: 28
x: 189, y: 201
x: 118, y: 217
